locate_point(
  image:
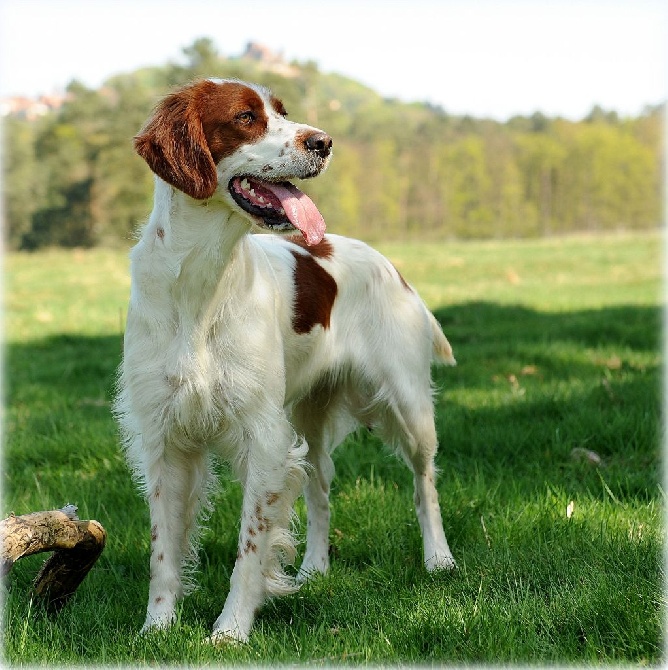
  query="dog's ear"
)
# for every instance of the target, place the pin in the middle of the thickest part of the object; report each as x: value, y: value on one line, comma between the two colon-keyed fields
x: 174, y: 145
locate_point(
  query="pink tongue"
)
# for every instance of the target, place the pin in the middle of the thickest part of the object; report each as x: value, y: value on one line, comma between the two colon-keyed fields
x: 301, y: 211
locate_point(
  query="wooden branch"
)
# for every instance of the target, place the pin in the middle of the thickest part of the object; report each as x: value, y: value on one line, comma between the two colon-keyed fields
x: 76, y: 546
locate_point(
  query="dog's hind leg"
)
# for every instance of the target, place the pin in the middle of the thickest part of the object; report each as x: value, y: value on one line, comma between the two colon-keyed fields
x: 409, y: 426
x: 176, y: 484
x: 325, y: 423
x: 437, y: 554
x: 316, y: 494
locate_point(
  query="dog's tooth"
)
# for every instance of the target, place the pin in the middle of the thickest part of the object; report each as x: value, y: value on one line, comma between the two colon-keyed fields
x: 244, y: 184
x: 260, y: 199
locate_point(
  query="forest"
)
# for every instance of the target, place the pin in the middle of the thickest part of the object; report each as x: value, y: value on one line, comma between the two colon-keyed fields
x: 400, y: 170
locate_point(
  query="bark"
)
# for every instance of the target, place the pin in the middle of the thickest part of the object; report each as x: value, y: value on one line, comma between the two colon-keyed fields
x: 76, y: 545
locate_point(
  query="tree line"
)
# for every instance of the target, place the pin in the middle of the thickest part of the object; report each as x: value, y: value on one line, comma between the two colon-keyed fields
x: 400, y: 170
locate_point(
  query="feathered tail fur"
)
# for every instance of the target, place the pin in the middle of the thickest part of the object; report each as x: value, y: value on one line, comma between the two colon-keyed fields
x: 442, y: 350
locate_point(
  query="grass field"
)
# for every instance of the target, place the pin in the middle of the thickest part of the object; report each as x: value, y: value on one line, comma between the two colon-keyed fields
x: 559, y: 349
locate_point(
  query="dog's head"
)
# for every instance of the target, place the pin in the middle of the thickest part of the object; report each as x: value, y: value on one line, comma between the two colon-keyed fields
x: 232, y: 140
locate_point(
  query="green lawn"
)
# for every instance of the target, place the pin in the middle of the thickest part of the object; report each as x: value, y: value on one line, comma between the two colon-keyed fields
x: 559, y: 348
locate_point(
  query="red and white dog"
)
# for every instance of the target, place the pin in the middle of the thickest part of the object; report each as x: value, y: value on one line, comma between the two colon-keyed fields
x: 263, y: 350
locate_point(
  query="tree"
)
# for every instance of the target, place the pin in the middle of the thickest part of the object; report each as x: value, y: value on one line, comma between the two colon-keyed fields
x: 202, y: 55
x: 19, y: 183
x: 541, y: 163
x: 467, y: 188
x: 73, y: 178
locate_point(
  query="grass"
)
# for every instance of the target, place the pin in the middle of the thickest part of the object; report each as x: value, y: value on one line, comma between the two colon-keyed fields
x: 558, y: 344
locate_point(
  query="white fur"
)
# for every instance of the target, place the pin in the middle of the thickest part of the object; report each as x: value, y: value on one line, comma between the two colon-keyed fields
x: 212, y: 365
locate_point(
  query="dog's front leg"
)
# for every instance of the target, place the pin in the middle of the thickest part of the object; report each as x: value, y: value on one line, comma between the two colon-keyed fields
x: 175, y: 486
x: 265, y: 542
x: 247, y: 584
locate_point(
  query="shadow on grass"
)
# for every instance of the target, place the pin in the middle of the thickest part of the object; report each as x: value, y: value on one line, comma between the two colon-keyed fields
x: 481, y: 332
x: 523, y: 377
x: 530, y: 386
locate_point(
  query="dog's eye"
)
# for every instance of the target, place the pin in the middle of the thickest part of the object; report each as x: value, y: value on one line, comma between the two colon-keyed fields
x: 245, y: 118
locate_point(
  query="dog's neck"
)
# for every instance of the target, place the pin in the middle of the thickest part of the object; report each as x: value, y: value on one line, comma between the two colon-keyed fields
x: 206, y: 231
x: 200, y: 248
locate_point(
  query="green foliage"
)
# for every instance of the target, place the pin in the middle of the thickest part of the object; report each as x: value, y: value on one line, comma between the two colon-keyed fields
x: 19, y: 180
x: 558, y: 347
x: 399, y: 170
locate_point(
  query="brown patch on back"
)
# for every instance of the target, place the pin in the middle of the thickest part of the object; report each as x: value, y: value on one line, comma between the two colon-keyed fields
x: 323, y: 249
x: 315, y: 292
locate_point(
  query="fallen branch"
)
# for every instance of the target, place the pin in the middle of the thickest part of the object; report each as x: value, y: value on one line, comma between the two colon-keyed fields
x: 76, y: 545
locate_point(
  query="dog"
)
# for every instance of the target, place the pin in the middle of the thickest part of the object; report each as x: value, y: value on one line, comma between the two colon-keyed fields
x: 262, y: 350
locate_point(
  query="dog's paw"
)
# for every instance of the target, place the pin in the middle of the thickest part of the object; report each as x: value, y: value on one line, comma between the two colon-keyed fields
x: 312, y: 567
x: 226, y: 638
x: 154, y: 624
x: 307, y: 574
x: 440, y: 562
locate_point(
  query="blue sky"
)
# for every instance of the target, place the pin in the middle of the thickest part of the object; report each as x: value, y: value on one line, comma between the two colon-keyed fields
x: 484, y: 58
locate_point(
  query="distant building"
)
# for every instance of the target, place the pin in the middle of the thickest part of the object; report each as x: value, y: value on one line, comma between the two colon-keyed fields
x: 268, y: 59
x: 262, y: 54
x: 31, y: 108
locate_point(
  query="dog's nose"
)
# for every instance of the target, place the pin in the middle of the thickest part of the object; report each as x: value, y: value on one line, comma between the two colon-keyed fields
x: 320, y: 143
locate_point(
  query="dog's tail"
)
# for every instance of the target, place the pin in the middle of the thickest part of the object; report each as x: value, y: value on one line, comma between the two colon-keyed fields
x: 442, y: 351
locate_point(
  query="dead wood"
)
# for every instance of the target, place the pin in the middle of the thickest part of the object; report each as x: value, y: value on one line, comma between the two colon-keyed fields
x: 76, y: 545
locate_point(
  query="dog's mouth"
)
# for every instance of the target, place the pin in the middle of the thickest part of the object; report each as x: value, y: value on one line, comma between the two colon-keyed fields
x: 279, y: 206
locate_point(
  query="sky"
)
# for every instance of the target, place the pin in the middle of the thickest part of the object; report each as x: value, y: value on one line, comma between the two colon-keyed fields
x: 486, y: 58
